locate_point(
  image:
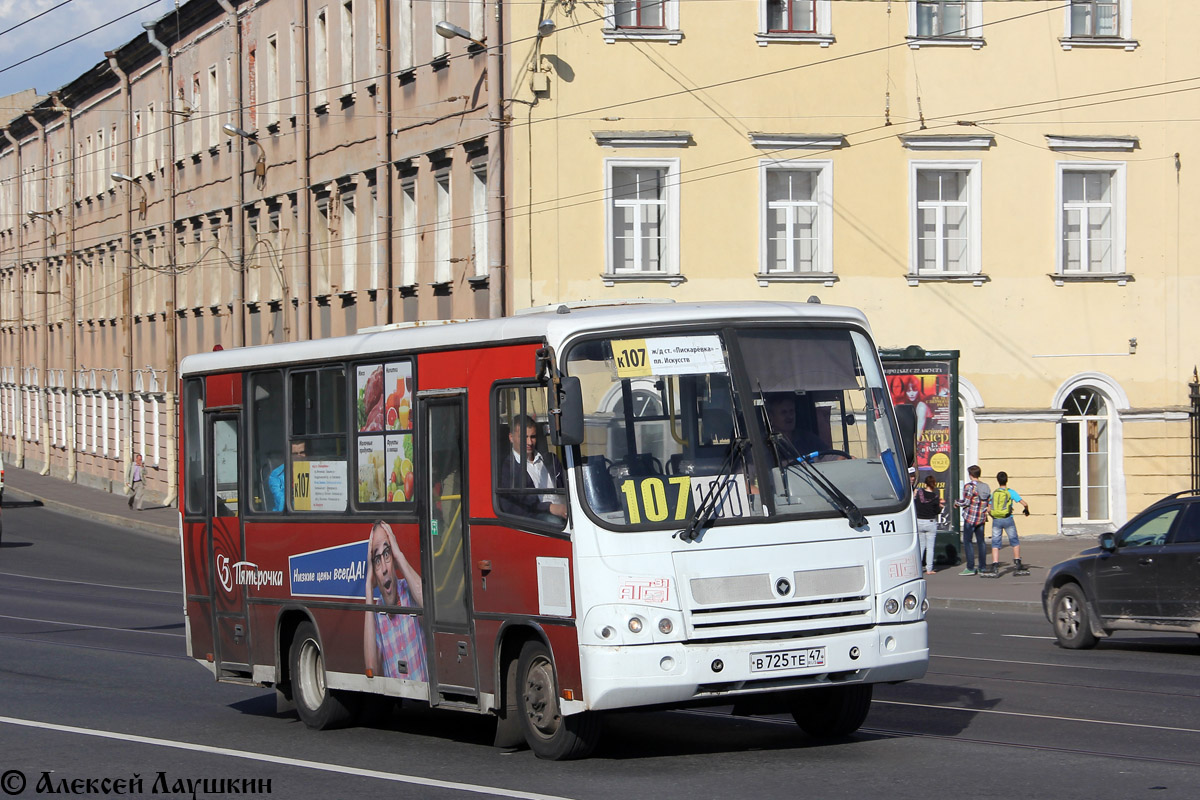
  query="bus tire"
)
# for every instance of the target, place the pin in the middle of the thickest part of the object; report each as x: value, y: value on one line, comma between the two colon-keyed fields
x: 832, y: 712
x: 549, y: 733
x: 319, y: 707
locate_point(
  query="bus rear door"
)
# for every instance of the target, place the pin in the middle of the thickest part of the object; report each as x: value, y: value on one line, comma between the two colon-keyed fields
x: 226, y: 546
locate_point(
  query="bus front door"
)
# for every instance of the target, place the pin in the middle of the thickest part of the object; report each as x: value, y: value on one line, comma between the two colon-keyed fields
x: 226, y: 548
x: 444, y: 544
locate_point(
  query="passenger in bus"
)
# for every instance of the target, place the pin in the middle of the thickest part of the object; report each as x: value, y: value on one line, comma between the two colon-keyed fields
x: 393, y: 643
x: 277, y: 480
x: 541, y: 472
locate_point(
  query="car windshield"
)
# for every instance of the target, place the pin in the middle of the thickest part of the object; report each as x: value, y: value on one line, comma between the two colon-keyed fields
x: 740, y: 423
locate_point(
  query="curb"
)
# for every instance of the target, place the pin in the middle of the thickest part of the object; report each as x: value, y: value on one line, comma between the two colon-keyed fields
x: 116, y: 520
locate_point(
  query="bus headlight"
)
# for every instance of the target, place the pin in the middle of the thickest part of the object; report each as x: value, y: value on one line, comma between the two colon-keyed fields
x: 891, y: 606
x: 910, y: 602
x: 665, y: 626
x: 635, y: 624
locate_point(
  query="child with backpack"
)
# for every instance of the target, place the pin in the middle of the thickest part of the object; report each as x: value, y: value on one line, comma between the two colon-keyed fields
x: 1001, y: 511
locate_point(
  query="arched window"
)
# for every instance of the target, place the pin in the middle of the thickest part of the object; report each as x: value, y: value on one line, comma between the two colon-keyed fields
x: 1084, y: 471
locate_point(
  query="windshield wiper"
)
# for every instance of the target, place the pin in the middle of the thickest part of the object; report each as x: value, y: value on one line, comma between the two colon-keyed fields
x: 716, y: 493
x: 836, y: 497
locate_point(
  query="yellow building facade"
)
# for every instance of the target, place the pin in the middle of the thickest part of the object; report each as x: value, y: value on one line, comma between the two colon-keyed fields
x: 1005, y: 179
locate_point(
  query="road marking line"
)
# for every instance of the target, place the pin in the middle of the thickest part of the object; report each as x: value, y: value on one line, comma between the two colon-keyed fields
x: 1039, y: 716
x: 94, y: 627
x: 282, y: 760
x: 1026, y: 636
x: 88, y: 583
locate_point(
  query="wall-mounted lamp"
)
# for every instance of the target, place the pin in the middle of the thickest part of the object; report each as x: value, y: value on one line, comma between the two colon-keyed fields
x: 122, y: 177
x: 448, y: 30
x: 260, y: 166
x: 45, y: 216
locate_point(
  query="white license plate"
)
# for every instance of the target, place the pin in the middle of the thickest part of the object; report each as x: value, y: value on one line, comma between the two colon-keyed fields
x: 787, y: 659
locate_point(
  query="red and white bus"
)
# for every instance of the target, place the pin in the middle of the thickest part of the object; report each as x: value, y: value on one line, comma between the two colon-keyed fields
x: 555, y: 514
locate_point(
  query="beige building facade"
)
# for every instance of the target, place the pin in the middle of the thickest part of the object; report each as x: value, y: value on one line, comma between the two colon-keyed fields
x: 1008, y: 180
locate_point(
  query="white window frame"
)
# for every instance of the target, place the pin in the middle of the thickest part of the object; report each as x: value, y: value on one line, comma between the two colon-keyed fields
x: 1116, y: 401
x: 155, y: 438
x: 404, y: 35
x: 823, y: 262
x: 670, y: 260
x: 974, y: 170
x: 971, y: 36
x: 479, y: 219
x: 1123, y: 39
x: 348, y: 55
x: 408, y: 232
x: 270, y: 81
x: 140, y: 444
x: 348, y: 241
x: 213, y: 109
x: 823, y: 24
x: 321, y: 55
x: 440, y: 45
x: 669, y: 32
x: 1117, y: 170
x: 443, y: 233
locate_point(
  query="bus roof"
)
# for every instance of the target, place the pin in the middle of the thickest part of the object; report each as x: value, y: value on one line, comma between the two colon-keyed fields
x: 553, y: 327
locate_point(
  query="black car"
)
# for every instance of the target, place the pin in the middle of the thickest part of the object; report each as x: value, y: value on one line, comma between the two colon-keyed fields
x: 1144, y: 577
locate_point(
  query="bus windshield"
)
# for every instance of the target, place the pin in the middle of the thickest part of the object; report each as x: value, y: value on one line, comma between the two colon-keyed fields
x: 735, y: 424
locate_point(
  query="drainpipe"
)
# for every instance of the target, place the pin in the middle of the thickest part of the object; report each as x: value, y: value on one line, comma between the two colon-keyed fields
x: 383, y: 158
x: 71, y: 323
x: 43, y: 286
x: 19, y: 280
x: 303, y: 283
x: 126, y: 278
x: 239, y: 186
x: 495, y: 168
x: 172, y: 381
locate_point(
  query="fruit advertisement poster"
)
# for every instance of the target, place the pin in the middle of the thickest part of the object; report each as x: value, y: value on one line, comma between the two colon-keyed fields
x: 385, y: 442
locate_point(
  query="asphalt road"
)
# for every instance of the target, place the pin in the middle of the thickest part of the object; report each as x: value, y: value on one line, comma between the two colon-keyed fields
x: 95, y: 685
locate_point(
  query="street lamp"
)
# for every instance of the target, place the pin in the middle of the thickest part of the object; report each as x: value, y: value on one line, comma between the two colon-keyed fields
x: 122, y: 177
x: 45, y: 217
x: 260, y: 166
x: 448, y: 30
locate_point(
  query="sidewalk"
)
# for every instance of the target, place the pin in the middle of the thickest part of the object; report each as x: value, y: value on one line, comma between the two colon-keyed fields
x: 946, y: 589
x: 90, y: 504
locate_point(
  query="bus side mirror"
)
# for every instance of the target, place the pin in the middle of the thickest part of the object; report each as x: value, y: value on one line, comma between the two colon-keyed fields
x: 569, y: 413
x: 906, y: 419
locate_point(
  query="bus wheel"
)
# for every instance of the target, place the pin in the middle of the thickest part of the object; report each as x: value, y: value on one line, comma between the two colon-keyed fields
x: 832, y: 712
x: 319, y: 707
x: 550, y: 735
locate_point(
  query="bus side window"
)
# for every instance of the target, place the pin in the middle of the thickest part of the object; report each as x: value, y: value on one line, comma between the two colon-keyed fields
x: 530, y: 476
x: 267, y: 442
x: 318, y: 433
x: 193, y: 418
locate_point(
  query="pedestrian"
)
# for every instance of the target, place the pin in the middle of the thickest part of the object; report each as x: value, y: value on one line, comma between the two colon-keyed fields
x: 974, y: 503
x: 137, y: 483
x: 929, y: 507
x: 1001, y: 511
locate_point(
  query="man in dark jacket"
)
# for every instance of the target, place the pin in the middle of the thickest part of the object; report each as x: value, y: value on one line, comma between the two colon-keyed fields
x: 525, y: 469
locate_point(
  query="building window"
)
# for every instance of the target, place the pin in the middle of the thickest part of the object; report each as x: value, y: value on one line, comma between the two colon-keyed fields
x: 656, y: 20
x: 321, y: 56
x: 444, y: 230
x: 347, y: 46
x: 408, y: 233
x: 349, y: 243
x: 945, y: 218
x: 797, y: 218
x: 1084, y: 457
x: 791, y: 16
x: 479, y: 219
x: 639, y: 13
x: 643, y: 216
x: 1091, y: 219
x: 270, y: 65
x: 1095, y: 18
x: 945, y: 22
x: 404, y: 35
x: 437, y: 9
x: 213, y: 110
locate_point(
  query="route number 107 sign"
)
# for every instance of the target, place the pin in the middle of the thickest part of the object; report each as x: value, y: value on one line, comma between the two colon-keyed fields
x: 675, y: 497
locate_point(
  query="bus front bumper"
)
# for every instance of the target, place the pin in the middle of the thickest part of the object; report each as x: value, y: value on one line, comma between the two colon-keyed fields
x: 625, y: 676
